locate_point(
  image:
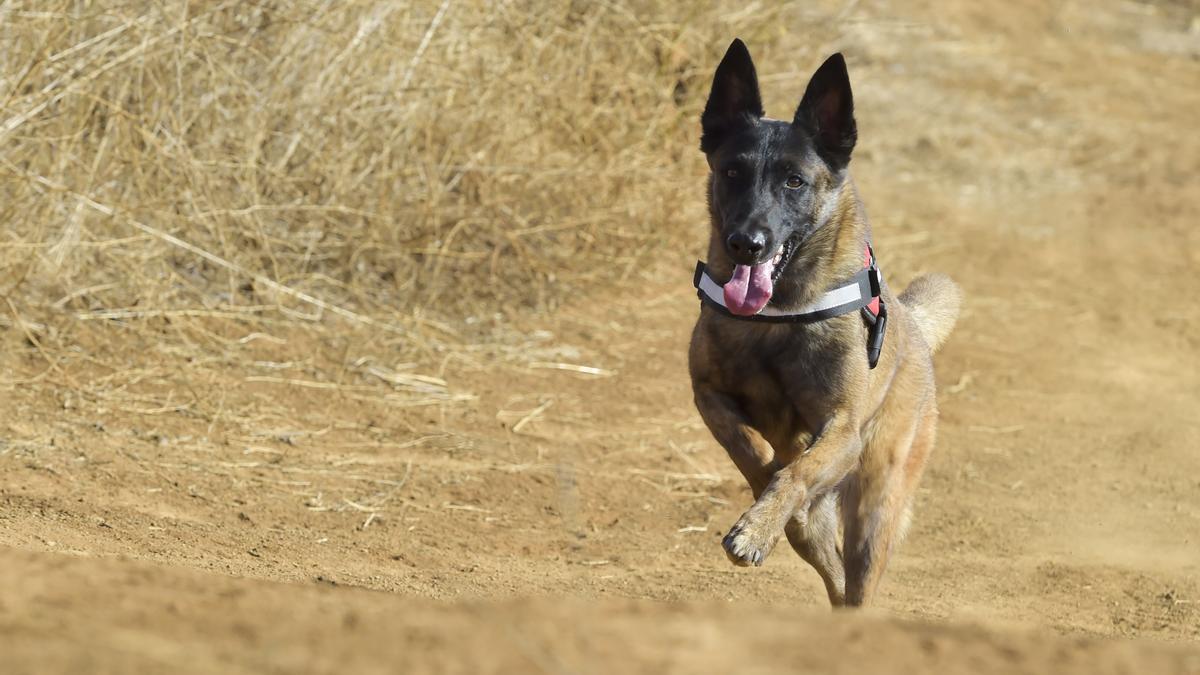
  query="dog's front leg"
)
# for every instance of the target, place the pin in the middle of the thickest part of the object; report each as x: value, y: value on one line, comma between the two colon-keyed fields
x: 791, y: 489
x: 750, y: 452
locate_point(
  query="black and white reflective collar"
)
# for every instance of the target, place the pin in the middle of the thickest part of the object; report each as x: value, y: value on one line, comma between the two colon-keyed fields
x: 861, y: 292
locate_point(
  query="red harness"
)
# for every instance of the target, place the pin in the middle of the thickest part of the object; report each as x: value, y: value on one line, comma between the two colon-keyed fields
x: 869, y: 264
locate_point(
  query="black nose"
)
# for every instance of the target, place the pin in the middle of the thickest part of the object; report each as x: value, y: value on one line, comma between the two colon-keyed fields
x: 746, y: 247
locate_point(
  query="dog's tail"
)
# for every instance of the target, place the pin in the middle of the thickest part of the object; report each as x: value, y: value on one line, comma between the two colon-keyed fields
x: 933, y: 301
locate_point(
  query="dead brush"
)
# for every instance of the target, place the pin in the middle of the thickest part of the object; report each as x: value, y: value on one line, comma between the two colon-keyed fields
x: 208, y: 186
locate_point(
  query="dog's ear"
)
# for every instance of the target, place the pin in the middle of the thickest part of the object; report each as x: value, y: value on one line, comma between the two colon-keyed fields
x: 734, y: 101
x: 827, y: 112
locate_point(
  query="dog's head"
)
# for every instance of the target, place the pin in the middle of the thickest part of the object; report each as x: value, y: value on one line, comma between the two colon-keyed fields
x: 773, y: 184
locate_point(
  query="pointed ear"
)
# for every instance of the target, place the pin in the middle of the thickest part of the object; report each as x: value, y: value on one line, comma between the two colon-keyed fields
x: 827, y: 112
x: 734, y: 101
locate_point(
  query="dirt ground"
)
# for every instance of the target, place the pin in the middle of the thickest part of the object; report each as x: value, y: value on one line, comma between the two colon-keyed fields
x: 558, y: 505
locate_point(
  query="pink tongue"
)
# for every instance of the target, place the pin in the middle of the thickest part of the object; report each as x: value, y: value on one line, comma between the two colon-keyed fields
x: 749, y: 289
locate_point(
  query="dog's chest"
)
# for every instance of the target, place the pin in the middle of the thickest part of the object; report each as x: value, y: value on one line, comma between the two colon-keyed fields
x: 788, y: 374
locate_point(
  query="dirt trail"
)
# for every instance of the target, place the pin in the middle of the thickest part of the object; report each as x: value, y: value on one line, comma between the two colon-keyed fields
x: 1050, y: 170
x: 215, y: 623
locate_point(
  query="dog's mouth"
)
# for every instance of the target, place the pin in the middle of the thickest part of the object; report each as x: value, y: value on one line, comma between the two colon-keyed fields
x: 750, y: 288
x: 784, y: 256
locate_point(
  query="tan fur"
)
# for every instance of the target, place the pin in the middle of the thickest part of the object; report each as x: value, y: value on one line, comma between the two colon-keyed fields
x: 933, y: 301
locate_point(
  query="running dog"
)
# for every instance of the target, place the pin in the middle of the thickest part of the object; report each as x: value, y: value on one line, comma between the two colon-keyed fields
x: 815, y: 377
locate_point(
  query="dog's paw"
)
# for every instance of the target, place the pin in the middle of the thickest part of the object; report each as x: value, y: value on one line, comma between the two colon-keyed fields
x: 747, y: 544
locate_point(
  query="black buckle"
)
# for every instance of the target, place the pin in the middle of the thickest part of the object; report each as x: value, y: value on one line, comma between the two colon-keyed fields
x: 875, y: 335
x: 875, y: 279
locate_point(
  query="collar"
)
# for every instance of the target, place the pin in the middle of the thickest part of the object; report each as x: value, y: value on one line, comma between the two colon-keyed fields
x: 861, y: 292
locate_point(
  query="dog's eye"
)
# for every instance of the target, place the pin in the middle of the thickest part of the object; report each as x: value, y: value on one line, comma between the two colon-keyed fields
x: 731, y: 173
x: 794, y: 182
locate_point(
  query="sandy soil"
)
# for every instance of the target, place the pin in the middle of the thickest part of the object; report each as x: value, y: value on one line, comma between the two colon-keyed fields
x: 558, y: 520
x: 135, y: 616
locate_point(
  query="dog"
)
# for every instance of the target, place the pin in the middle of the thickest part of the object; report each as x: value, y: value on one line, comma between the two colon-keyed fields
x: 815, y: 378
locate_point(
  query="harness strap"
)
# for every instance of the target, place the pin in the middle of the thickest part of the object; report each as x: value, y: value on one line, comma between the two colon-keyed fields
x: 862, y: 292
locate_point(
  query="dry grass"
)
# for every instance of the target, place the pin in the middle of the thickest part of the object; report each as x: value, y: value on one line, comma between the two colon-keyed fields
x: 220, y: 214
x: 374, y: 159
